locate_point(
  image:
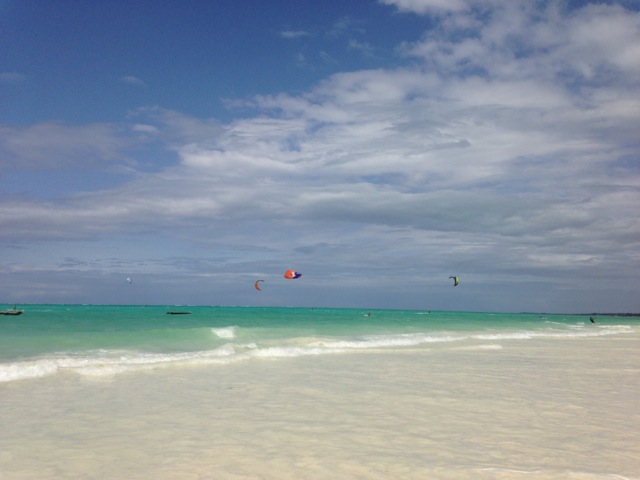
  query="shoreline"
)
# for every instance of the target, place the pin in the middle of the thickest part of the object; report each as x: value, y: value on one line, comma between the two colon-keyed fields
x: 538, y: 409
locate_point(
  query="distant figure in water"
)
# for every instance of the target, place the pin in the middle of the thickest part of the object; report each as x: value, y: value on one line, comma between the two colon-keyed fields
x: 592, y: 320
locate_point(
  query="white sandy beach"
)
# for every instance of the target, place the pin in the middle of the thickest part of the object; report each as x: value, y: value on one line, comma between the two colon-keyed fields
x: 536, y: 409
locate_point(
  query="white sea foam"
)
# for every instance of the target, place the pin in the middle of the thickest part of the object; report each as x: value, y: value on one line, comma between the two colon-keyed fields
x: 105, y: 362
x: 492, y: 346
x: 23, y: 370
x: 112, y: 362
x: 575, y: 333
x: 226, y: 332
x: 505, y: 336
x: 398, y: 340
x: 281, y: 352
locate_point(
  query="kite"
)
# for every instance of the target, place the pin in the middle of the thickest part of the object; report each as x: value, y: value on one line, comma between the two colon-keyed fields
x: 291, y: 274
x: 455, y: 281
x: 128, y: 279
x: 257, y: 285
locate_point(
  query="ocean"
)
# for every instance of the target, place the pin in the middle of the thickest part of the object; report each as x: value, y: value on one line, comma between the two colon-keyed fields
x: 113, y: 392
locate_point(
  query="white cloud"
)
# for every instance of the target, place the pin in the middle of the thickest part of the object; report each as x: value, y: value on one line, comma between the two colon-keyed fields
x: 292, y: 34
x: 602, y: 36
x: 142, y: 128
x: 58, y: 146
x: 595, y: 44
x: 12, y: 77
x: 427, y: 6
x: 132, y: 80
x: 365, y: 48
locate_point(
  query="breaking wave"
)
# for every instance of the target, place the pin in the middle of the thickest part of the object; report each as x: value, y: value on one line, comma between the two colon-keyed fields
x: 96, y: 363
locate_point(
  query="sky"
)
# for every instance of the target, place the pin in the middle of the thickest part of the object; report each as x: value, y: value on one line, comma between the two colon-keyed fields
x: 377, y: 147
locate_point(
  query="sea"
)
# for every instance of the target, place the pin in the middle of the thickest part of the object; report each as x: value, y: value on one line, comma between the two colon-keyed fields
x: 207, y: 392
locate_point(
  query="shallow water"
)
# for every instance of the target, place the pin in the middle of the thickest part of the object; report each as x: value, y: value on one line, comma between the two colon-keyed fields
x: 479, y: 408
x: 49, y: 340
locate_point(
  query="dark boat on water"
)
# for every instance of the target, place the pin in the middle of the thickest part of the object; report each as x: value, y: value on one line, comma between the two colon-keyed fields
x: 11, y: 312
x: 178, y: 313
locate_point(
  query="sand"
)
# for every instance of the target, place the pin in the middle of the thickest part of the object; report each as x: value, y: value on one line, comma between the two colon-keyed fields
x: 537, y: 409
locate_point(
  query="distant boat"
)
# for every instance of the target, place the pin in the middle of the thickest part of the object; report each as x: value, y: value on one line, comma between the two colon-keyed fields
x: 11, y: 312
x: 178, y: 313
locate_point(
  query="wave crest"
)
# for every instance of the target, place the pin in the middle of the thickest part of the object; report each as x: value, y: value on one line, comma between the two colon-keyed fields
x: 225, y: 332
x: 111, y: 362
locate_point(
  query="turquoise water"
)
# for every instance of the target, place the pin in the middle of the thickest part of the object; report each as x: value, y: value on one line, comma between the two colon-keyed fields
x: 100, y: 340
x: 131, y: 392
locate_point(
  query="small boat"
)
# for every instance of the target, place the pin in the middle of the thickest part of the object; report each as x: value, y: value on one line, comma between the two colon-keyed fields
x: 178, y: 313
x: 11, y: 312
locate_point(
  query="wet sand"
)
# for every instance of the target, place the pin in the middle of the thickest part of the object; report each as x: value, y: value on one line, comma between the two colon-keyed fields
x: 541, y: 409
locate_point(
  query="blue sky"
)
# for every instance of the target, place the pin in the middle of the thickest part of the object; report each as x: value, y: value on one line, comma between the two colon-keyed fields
x: 378, y: 147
